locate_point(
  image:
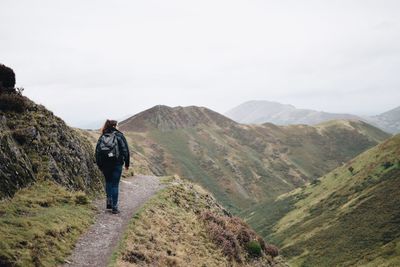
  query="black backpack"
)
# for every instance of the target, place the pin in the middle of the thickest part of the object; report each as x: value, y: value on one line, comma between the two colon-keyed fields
x: 109, y: 149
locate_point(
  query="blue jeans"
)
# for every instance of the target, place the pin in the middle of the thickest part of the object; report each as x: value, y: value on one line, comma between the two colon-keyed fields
x: 113, y: 176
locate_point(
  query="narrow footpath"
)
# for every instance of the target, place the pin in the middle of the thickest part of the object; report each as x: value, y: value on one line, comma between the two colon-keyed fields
x: 96, y: 246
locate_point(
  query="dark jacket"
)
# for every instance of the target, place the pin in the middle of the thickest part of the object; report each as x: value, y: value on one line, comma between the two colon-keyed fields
x: 124, y: 155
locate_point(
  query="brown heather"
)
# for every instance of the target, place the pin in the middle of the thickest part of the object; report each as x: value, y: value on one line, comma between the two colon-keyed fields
x: 184, y: 226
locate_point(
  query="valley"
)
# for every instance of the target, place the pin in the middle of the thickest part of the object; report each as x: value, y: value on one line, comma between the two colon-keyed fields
x: 352, y: 210
x: 301, y: 187
x: 240, y: 164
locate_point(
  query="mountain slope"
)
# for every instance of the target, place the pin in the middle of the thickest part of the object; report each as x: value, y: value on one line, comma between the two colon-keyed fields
x: 353, y: 211
x: 266, y: 111
x: 388, y: 121
x: 44, y: 167
x: 36, y: 145
x: 166, y: 118
x: 183, y: 225
x: 241, y: 164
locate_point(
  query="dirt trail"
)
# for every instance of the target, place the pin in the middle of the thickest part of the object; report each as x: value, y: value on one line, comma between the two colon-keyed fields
x: 96, y: 246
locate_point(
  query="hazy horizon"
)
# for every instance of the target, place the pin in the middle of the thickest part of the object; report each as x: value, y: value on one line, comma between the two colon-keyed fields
x: 99, y: 122
x: 91, y: 60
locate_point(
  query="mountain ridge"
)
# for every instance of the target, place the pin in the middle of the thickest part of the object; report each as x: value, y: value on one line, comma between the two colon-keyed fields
x: 263, y: 111
x: 240, y: 164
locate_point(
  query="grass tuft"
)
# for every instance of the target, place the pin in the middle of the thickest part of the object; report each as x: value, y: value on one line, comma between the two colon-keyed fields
x: 81, y: 198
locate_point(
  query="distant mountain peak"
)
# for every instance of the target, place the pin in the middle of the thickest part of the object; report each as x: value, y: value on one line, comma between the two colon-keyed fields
x: 389, y: 120
x: 392, y: 112
x: 168, y: 118
x: 262, y: 111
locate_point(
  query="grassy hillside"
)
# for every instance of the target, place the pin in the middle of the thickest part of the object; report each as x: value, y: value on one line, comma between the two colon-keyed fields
x: 46, y: 169
x: 241, y: 164
x: 40, y: 224
x: 184, y: 226
x: 347, y: 217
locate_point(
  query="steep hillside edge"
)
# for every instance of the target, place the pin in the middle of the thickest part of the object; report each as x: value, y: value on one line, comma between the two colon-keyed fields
x: 185, y: 226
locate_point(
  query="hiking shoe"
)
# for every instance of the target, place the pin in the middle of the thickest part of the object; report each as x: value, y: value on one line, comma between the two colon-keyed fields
x: 108, y: 204
x: 115, y: 211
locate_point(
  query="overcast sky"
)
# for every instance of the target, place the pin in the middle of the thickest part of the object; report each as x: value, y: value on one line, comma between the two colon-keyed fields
x: 91, y: 60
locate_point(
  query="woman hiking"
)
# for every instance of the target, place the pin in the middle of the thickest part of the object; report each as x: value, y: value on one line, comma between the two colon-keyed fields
x: 112, y: 152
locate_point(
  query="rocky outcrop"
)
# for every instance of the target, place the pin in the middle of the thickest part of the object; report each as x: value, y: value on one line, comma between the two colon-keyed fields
x: 37, y: 145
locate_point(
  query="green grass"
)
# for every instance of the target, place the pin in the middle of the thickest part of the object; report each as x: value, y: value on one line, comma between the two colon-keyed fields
x: 262, y: 217
x: 218, y: 177
x: 347, y: 218
x: 176, y: 142
x: 40, y: 224
x: 246, y: 165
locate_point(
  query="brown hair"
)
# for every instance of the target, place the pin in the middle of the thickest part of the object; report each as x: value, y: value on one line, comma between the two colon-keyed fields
x: 109, y: 124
